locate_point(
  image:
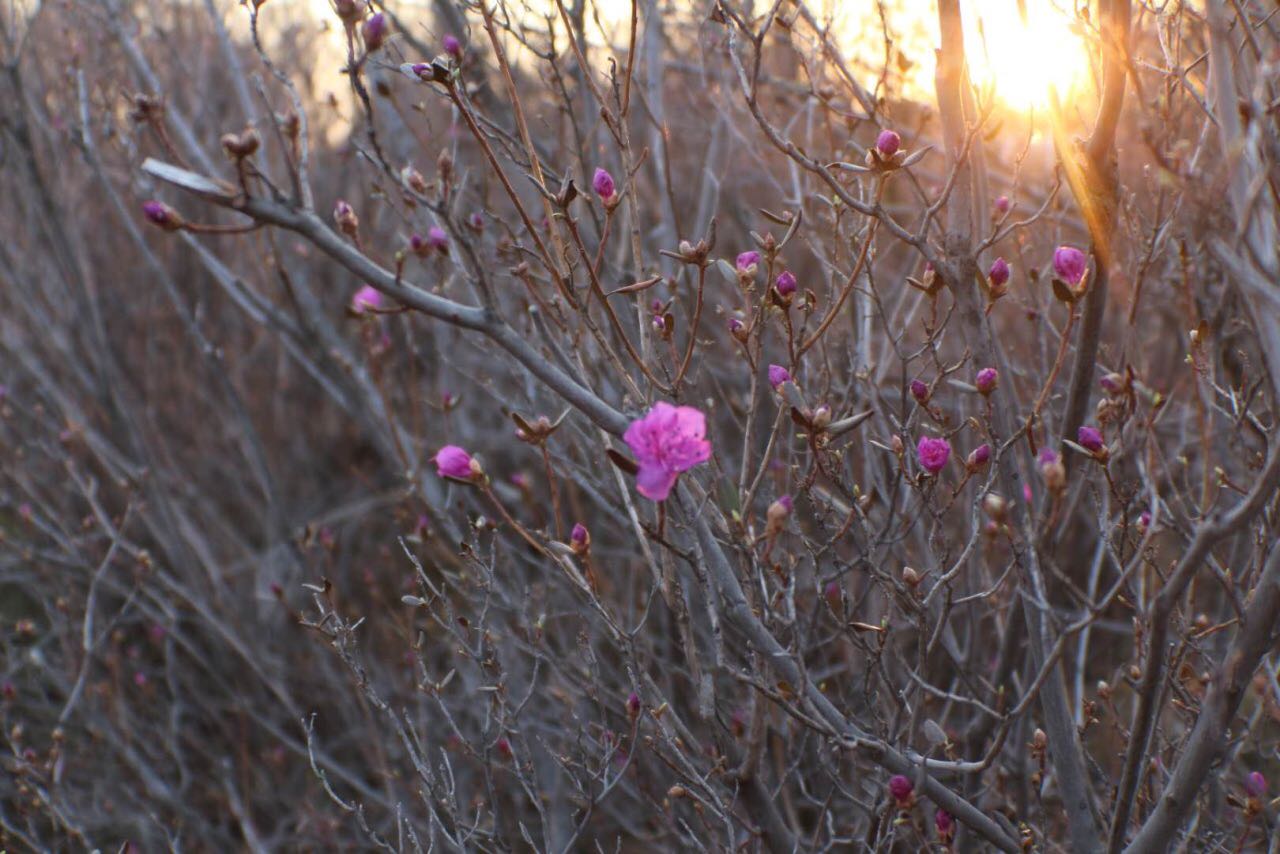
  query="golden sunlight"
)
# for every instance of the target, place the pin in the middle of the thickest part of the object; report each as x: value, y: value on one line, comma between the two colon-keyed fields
x: 1021, y: 59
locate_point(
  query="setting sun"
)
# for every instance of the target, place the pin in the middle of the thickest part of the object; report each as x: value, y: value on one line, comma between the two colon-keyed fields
x: 1023, y: 60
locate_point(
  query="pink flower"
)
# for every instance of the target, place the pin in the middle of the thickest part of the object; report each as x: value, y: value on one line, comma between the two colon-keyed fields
x: 602, y: 183
x: 999, y: 273
x: 920, y: 391
x: 454, y: 462
x: 374, y: 31
x: 888, y: 142
x: 158, y: 213
x: 1255, y: 784
x: 747, y: 261
x: 579, y: 534
x: 668, y: 440
x: 945, y: 824
x: 438, y: 239
x: 987, y: 380
x: 1002, y: 205
x: 1069, y: 264
x: 452, y: 46
x: 900, y: 788
x: 1090, y: 438
x: 785, y: 284
x: 778, y: 375
x: 933, y: 454
x: 979, y: 456
x: 367, y: 298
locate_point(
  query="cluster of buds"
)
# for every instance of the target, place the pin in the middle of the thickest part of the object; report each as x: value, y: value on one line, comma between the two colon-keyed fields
x: 160, y: 214
x: 454, y: 463
x: 239, y: 146
x: 435, y: 241
x: 604, y: 186
x: 344, y: 216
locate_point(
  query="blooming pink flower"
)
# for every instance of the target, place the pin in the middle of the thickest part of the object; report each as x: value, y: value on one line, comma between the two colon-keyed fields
x: 602, y: 183
x: 987, y: 380
x: 785, y: 284
x: 454, y: 462
x: 747, y: 261
x: 778, y: 375
x: 367, y: 298
x: 1069, y: 264
x: 1002, y: 205
x: 668, y: 440
x: 999, y: 273
x: 933, y: 453
x: 1090, y: 438
x: 452, y: 46
x: 888, y: 142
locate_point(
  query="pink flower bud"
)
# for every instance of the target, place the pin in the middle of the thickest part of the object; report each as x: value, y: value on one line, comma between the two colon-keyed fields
x: 454, y: 462
x: 920, y: 391
x: 1052, y: 470
x: 368, y: 298
x: 901, y: 788
x: 778, y: 375
x: 602, y: 183
x: 986, y: 381
x: 933, y: 454
x: 1002, y: 205
x: 345, y: 218
x: 979, y: 456
x: 476, y: 221
x: 1112, y: 383
x: 747, y: 262
x: 945, y: 824
x: 158, y: 213
x: 633, y: 705
x: 579, y: 538
x: 452, y: 46
x: 835, y: 601
x: 1144, y: 521
x: 887, y: 143
x: 785, y: 284
x: 438, y: 239
x: 1069, y: 264
x: 1255, y: 784
x: 999, y: 273
x: 1090, y: 438
x: 374, y: 31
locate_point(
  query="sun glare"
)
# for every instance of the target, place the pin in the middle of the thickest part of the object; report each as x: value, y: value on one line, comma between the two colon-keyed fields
x: 1022, y: 61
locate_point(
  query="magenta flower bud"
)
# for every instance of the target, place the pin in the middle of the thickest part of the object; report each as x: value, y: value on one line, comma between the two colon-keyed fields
x: 1112, y: 383
x: 778, y: 375
x: 1144, y: 520
x: 785, y: 284
x: 835, y: 601
x: 999, y: 273
x: 437, y: 238
x: 158, y: 213
x: 579, y: 536
x: 920, y: 391
x: 933, y: 454
x: 1255, y: 784
x: 1090, y: 438
x: 418, y: 244
x: 345, y: 218
x: 901, y: 788
x: 979, y: 456
x: 1069, y: 264
x: 784, y: 502
x: 452, y: 46
x: 887, y: 143
x: 454, y: 462
x: 1002, y: 205
x: 366, y: 299
x: 633, y: 705
x: 602, y: 183
x: 747, y: 261
x: 667, y: 441
x: 374, y: 31
x: 986, y: 381
x: 945, y: 824
x: 476, y: 221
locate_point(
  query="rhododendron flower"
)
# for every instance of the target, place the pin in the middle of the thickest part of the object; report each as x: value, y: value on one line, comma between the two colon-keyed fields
x: 747, y: 261
x: 785, y: 284
x: 987, y: 380
x: 668, y: 440
x: 1090, y: 438
x: 933, y: 454
x: 454, y: 462
x: 888, y: 142
x: 602, y: 183
x: 1069, y: 264
x: 367, y: 298
x: 999, y: 273
x: 778, y: 375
